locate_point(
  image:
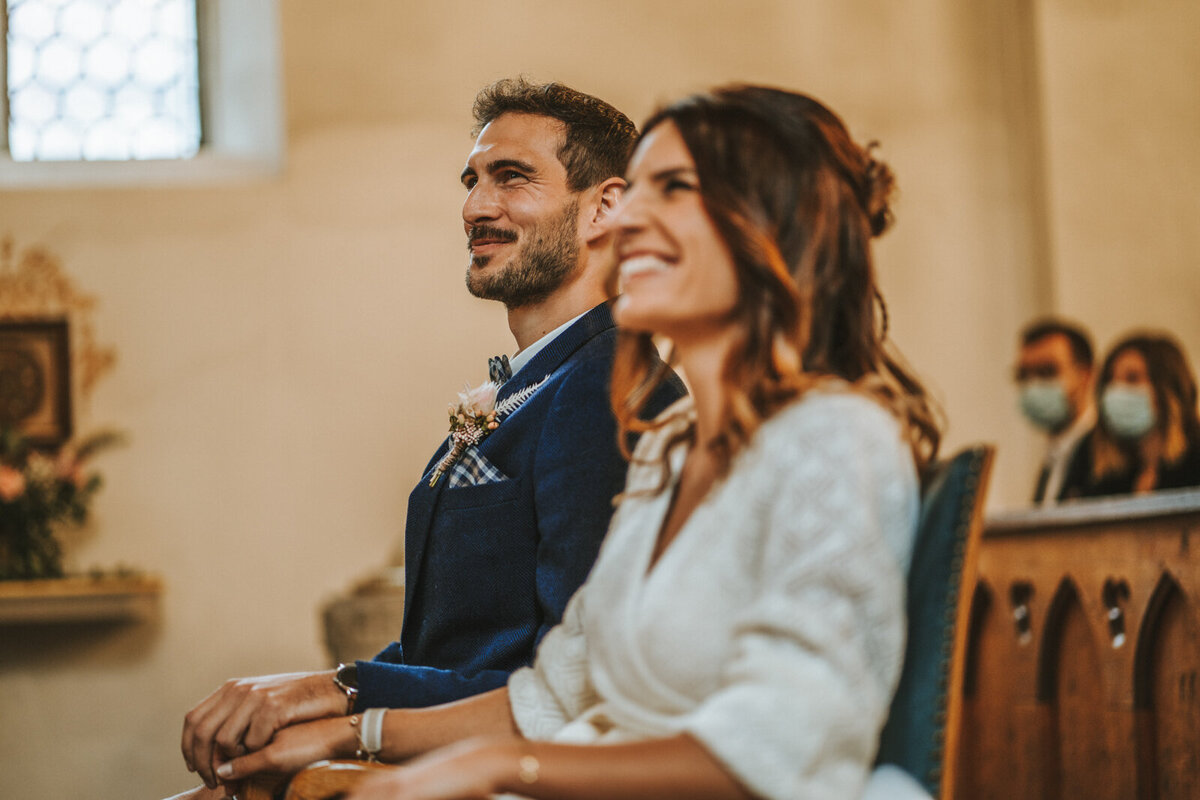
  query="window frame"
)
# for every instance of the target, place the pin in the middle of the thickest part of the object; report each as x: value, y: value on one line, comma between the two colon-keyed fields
x: 241, y: 111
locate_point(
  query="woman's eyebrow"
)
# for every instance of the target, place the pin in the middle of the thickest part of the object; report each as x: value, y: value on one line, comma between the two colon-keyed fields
x: 664, y: 175
x: 673, y: 172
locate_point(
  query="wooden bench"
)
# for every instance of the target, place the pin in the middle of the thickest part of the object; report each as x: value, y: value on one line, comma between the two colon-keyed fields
x: 1083, y: 652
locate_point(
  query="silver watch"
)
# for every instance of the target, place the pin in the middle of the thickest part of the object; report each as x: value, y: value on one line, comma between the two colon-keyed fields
x: 345, y: 677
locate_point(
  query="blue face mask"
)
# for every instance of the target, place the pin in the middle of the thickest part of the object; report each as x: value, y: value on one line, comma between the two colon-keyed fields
x: 1128, y: 411
x: 1045, y: 404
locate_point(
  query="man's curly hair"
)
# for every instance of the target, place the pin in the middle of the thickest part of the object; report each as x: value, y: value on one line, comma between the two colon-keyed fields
x: 599, y: 138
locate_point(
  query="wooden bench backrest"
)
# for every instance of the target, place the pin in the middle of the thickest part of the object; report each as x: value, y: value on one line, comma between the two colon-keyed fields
x: 1083, y: 653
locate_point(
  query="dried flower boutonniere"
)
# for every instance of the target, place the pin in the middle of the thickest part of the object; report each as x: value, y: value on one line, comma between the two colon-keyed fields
x: 475, y: 416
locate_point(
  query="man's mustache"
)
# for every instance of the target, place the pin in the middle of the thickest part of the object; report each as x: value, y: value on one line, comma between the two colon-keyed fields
x: 478, y: 232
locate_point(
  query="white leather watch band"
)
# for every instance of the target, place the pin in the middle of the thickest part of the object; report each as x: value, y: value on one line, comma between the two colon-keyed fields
x: 372, y: 731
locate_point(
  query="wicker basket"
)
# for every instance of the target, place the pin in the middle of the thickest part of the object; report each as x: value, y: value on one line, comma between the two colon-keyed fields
x: 366, y: 619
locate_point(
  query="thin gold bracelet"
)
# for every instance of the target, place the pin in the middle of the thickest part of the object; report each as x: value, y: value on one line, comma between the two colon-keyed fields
x: 360, y: 752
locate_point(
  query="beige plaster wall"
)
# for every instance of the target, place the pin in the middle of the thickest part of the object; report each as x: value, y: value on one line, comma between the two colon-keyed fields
x: 287, y: 347
x: 1122, y: 122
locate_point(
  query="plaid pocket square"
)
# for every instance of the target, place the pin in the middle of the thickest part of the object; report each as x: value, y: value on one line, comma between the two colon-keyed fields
x: 473, y: 470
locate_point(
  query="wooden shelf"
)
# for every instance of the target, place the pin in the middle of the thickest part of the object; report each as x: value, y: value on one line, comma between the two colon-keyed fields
x: 79, y: 599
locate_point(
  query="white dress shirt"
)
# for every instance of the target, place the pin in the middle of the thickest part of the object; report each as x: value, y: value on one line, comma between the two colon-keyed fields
x: 523, y: 356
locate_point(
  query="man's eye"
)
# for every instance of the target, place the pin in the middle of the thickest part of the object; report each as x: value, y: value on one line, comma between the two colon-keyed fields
x: 1037, y: 372
x: 469, y: 183
x: 509, y: 175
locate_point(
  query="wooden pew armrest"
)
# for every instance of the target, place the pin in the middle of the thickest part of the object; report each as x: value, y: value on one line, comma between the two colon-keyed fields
x: 322, y: 780
x: 328, y: 779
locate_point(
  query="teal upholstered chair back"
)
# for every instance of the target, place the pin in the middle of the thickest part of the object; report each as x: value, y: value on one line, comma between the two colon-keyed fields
x: 920, y: 732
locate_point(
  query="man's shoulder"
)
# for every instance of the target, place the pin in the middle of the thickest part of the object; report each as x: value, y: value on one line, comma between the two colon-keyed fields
x: 589, y: 367
x: 598, y: 351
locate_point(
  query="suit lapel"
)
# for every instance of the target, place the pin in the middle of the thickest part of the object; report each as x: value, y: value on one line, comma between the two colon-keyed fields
x: 552, y: 356
x: 424, y: 499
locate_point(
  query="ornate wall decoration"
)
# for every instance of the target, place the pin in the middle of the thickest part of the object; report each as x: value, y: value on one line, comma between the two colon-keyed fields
x: 37, y: 298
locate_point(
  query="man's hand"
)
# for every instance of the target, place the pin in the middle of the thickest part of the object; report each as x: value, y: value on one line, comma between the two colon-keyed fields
x: 245, y: 713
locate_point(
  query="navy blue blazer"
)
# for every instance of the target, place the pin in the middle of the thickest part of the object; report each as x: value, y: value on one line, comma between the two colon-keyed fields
x: 489, y: 567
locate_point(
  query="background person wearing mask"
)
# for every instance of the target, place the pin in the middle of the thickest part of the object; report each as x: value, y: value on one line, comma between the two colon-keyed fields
x: 1148, y: 435
x: 1054, y: 374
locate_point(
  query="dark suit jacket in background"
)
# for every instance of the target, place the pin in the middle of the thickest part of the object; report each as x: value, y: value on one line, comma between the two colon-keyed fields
x: 1184, y: 474
x: 489, y: 568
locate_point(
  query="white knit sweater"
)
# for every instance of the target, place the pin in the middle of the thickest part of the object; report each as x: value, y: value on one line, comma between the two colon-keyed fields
x: 771, y: 629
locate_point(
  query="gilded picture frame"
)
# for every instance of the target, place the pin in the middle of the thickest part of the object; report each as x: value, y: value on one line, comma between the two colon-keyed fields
x: 35, y: 380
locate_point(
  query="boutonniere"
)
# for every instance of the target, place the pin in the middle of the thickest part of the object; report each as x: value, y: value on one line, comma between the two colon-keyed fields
x: 474, y: 416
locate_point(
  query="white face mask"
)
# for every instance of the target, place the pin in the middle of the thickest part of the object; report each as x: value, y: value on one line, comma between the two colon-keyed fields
x: 1045, y: 404
x: 1128, y: 411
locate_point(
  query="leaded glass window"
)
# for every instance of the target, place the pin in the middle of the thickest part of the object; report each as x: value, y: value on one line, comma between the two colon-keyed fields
x: 102, y: 79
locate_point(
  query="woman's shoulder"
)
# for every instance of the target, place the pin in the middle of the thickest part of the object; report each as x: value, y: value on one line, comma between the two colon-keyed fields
x: 1184, y: 473
x: 834, y: 429
x: 835, y: 410
x: 837, y: 452
x: 829, y: 423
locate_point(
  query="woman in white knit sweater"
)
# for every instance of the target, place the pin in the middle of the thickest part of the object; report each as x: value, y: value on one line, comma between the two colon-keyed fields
x: 742, y: 631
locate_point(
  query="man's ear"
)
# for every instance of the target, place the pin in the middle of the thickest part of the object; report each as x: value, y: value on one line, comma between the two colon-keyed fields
x: 606, y: 196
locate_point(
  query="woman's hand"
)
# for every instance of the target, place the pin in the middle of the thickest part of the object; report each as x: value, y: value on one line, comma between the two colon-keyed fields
x: 294, y: 748
x: 245, y: 713
x: 482, y: 767
x: 470, y: 770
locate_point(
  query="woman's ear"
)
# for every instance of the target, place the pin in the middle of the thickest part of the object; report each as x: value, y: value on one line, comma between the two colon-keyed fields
x: 606, y: 197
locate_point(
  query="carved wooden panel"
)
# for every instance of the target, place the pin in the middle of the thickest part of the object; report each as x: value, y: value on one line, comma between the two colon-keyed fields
x: 1169, y: 714
x: 1084, y: 653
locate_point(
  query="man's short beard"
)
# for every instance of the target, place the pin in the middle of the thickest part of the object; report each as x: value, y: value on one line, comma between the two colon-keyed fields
x: 539, y: 267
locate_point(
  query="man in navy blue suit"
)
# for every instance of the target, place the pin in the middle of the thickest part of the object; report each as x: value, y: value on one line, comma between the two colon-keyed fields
x: 498, y: 540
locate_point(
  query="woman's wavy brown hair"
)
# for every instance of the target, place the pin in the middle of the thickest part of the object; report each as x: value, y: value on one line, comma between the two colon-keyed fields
x: 1174, y: 389
x: 797, y: 202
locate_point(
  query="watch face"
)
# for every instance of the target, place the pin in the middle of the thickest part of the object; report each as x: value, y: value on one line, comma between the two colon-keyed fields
x: 347, y: 676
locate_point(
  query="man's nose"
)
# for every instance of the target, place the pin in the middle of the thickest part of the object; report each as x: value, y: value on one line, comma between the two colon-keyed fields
x: 480, y: 206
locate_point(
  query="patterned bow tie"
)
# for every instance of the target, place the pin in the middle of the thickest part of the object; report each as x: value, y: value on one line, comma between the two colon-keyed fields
x: 499, y: 370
